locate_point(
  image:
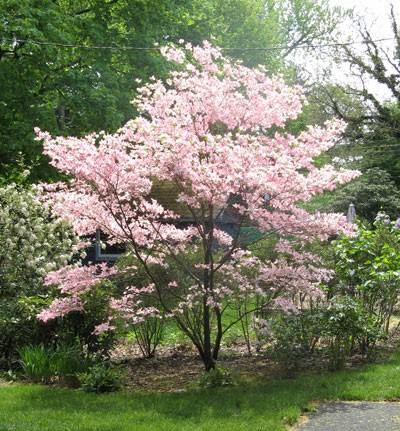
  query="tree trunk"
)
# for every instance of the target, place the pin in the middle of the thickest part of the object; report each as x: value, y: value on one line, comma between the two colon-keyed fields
x: 208, y: 358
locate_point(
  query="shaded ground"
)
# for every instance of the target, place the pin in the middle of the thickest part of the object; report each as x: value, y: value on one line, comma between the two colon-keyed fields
x: 177, y: 368
x: 354, y: 416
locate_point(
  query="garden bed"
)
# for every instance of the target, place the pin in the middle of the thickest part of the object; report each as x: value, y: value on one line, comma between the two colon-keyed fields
x: 176, y: 368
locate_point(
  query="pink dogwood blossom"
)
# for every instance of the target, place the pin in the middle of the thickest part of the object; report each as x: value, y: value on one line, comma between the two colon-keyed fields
x: 61, y: 307
x: 207, y: 131
x: 75, y: 280
x: 102, y: 328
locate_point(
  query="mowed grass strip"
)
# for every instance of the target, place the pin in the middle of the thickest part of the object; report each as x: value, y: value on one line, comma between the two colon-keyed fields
x: 265, y: 406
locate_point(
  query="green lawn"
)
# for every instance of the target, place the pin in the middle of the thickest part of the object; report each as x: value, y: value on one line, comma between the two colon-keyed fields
x: 262, y: 406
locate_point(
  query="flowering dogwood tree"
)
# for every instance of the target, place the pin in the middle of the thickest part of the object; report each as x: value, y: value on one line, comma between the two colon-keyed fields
x: 214, y: 130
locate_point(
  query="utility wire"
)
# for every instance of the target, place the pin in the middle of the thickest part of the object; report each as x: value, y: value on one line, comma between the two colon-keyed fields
x: 157, y: 48
x: 367, y: 147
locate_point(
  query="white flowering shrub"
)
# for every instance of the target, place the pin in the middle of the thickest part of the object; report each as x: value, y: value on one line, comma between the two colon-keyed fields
x: 32, y: 242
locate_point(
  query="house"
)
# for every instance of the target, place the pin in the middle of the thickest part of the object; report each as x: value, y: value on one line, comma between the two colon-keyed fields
x: 166, y: 194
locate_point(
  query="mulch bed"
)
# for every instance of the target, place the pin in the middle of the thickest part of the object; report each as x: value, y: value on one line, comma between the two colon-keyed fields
x: 176, y: 368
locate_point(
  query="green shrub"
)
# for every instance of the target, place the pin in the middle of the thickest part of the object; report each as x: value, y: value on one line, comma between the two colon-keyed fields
x: 215, y: 378
x: 101, y: 378
x: 293, y: 337
x: 367, y: 268
x: 67, y: 362
x: 81, y: 325
x: 347, y: 325
x: 32, y: 242
x: 340, y: 327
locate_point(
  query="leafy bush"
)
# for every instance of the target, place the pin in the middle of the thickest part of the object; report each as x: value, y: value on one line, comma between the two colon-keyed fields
x: 215, y: 378
x: 101, y: 378
x: 31, y: 243
x: 367, y: 268
x: 292, y: 337
x: 66, y: 362
x: 359, y: 301
x: 339, y: 327
x: 346, y: 324
x: 82, y: 325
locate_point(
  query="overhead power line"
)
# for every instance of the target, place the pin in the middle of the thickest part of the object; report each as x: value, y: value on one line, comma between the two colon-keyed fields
x: 156, y: 48
x: 376, y: 145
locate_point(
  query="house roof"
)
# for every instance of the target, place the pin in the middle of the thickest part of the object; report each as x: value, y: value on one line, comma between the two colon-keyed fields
x: 166, y: 194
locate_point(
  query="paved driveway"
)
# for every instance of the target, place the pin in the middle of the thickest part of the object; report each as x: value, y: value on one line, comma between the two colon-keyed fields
x: 353, y: 416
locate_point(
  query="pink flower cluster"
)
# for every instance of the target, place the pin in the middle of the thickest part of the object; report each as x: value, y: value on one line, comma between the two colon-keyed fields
x: 61, y: 307
x: 205, y: 132
x: 72, y: 281
x: 75, y: 280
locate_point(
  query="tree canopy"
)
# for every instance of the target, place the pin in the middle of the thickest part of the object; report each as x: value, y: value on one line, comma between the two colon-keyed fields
x: 51, y: 78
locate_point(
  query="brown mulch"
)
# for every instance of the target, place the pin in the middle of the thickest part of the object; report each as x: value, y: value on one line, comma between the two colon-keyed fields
x: 176, y: 368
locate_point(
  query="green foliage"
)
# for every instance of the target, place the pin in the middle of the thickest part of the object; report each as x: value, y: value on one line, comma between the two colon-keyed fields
x: 31, y: 244
x: 337, y: 327
x: 18, y: 172
x: 382, y: 141
x: 265, y: 248
x: 36, y: 363
x: 67, y: 361
x: 368, y: 267
x: 80, y: 325
x: 31, y: 241
x: 215, y: 378
x: 374, y: 191
x: 101, y: 378
x: 359, y: 303
x: 346, y: 322
x: 42, y: 364
x: 379, y: 142
x: 292, y: 337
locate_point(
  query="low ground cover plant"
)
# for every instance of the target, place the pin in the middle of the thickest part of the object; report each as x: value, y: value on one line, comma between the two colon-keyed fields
x: 101, y: 378
x: 215, y: 378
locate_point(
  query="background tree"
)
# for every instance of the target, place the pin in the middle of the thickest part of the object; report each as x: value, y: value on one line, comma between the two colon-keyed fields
x: 369, y: 105
x: 374, y: 191
x: 69, y: 89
